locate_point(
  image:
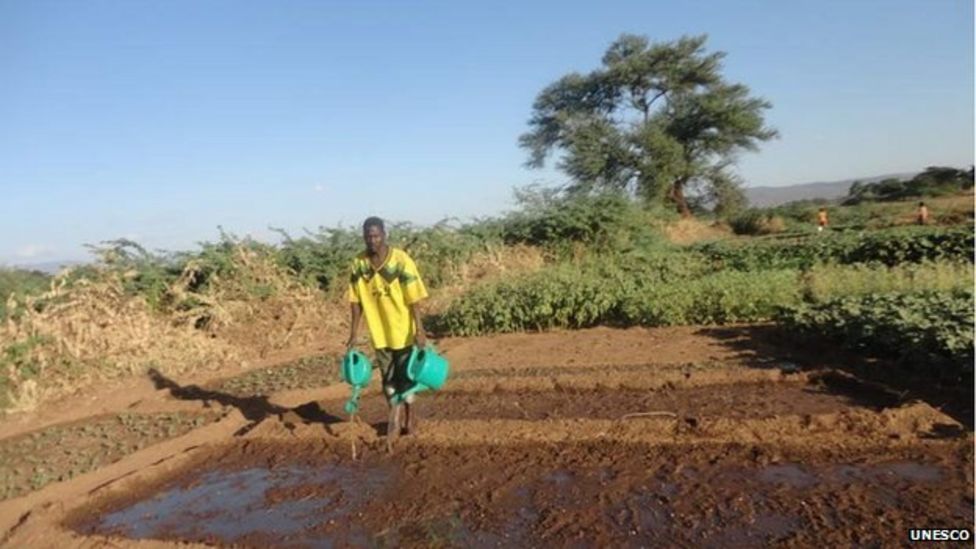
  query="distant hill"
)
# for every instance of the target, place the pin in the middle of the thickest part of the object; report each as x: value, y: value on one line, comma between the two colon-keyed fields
x: 764, y: 197
x: 47, y: 267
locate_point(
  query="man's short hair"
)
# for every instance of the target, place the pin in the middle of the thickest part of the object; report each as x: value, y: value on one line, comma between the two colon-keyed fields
x: 374, y: 222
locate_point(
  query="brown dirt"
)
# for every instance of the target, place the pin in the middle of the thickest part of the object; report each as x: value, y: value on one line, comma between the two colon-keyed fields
x: 534, y: 441
x: 738, y: 401
x: 571, y: 349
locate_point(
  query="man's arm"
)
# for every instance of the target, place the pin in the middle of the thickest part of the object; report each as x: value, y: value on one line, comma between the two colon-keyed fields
x: 357, y: 314
x: 416, y: 313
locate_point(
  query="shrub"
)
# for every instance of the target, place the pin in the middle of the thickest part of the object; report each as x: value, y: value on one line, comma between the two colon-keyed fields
x: 20, y: 283
x: 889, y: 247
x: 721, y: 298
x: 554, y: 219
x: 648, y: 293
x: 757, y: 222
x: 930, y: 332
x: 823, y: 282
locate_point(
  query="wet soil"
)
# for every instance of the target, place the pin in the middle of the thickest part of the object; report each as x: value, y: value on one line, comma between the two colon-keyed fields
x: 735, y: 401
x: 533, y: 442
x: 596, y: 494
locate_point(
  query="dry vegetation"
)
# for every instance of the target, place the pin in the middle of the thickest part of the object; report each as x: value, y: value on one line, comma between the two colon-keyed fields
x: 92, y: 330
x: 89, y: 329
x: 690, y: 231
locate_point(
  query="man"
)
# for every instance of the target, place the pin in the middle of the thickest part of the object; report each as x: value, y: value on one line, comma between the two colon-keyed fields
x: 385, y: 288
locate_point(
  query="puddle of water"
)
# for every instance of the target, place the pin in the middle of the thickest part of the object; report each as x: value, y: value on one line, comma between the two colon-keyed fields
x: 765, y: 529
x: 653, y: 515
x: 775, y: 526
x: 560, y: 477
x: 318, y: 506
x: 794, y: 475
x: 227, y: 505
x: 847, y: 474
x: 446, y: 531
x: 789, y: 474
x: 915, y: 472
x: 903, y: 470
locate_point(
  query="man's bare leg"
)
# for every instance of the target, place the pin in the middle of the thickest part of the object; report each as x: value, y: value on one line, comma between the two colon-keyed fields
x: 407, y: 419
x: 393, y: 426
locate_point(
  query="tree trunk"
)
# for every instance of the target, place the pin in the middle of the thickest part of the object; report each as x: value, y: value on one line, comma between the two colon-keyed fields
x: 678, y: 196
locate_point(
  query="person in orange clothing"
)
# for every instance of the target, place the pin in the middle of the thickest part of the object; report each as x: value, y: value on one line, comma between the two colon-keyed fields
x: 923, y: 214
x: 821, y: 219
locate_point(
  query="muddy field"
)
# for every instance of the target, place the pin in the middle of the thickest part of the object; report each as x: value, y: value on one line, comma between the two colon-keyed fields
x: 556, y: 439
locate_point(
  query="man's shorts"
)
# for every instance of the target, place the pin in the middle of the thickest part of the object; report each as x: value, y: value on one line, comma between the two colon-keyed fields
x: 393, y: 366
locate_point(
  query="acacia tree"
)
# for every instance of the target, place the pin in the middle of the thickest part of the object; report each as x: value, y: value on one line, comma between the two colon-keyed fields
x: 655, y: 120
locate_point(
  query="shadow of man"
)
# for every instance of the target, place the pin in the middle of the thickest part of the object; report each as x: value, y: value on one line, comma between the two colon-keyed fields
x: 254, y: 408
x: 873, y: 382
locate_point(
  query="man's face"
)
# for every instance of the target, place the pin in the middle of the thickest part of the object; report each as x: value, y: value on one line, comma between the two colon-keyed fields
x: 374, y: 238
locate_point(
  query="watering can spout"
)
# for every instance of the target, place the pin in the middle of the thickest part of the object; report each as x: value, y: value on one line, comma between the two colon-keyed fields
x: 356, y: 370
x: 427, y: 369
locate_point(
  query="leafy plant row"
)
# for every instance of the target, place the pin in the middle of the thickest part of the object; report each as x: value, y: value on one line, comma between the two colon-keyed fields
x: 571, y: 296
x: 889, y: 247
x: 930, y: 332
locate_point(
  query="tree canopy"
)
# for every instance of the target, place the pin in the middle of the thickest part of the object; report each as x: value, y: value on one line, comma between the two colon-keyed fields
x: 657, y: 119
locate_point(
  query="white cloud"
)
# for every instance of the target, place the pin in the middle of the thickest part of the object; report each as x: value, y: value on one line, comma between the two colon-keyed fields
x: 34, y: 251
x: 319, y: 188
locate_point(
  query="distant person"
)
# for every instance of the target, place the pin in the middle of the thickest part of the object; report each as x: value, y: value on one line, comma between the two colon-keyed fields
x: 385, y: 288
x: 923, y: 214
x: 821, y: 219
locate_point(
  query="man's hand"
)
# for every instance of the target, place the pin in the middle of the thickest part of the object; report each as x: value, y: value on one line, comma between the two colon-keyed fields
x: 420, y: 339
x: 357, y: 314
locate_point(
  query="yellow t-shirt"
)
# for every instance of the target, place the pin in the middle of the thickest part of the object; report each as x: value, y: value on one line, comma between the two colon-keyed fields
x: 385, y: 295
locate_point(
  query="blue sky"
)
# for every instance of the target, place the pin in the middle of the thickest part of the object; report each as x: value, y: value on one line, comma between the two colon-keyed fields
x: 160, y: 121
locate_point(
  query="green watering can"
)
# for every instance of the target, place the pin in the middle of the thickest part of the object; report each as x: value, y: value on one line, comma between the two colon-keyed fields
x: 356, y: 371
x: 427, y: 369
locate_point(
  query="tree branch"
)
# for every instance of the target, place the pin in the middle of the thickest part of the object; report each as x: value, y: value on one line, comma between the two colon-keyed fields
x: 656, y: 97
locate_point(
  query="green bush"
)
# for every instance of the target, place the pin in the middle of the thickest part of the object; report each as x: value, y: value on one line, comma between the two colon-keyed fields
x: 906, y: 245
x: 619, y: 291
x: 827, y: 281
x: 930, y: 332
x: 322, y: 259
x: 16, y: 364
x: 756, y: 222
x: 20, y: 283
x: 721, y: 298
x: 551, y: 218
x: 889, y: 247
